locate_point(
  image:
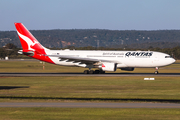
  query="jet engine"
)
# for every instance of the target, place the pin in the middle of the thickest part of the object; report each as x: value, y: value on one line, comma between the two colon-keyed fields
x: 109, y: 66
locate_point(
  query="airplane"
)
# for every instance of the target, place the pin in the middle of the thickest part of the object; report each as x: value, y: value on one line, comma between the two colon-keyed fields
x: 102, y: 60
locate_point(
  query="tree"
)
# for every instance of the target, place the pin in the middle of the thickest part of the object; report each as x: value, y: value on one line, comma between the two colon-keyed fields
x: 10, y: 46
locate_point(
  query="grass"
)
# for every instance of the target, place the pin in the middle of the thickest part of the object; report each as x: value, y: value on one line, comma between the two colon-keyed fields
x: 36, y: 66
x: 84, y: 87
x: 91, y: 87
x: 88, y: 114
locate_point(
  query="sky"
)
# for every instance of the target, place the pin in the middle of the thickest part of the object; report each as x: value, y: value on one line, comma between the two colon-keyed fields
x: 91, y: 14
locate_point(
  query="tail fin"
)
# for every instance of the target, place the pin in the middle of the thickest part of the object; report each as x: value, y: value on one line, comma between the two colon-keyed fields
x: 28, y: 41
x: 30, y: 45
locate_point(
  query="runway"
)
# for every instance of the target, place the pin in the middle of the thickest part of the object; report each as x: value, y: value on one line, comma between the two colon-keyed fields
x: 91, y: 105
x: 81, y: 74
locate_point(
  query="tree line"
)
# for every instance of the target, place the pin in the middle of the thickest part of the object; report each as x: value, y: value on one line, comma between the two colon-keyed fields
x: 98, y: 38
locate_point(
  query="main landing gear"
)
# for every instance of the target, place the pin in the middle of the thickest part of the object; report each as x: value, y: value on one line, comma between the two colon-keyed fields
x: 94, y: 72
x: 156, y: 72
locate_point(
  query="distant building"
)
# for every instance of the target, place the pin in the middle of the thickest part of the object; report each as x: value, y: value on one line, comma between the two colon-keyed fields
x: 6, y: 58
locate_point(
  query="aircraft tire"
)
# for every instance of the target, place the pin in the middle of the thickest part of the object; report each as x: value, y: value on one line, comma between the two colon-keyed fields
x: 86, y: 71
x: 96, y: 72
x: 156, y: 72
x: 91, y: 71
x: 101, y: 72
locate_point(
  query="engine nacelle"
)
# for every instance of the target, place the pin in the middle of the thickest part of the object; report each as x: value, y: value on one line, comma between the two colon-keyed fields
x: 128, y: 69
x: 109, y: 66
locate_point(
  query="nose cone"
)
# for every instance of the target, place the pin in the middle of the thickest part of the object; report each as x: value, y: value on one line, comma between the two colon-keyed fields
x: 173, y: 60
x: 170, y: 61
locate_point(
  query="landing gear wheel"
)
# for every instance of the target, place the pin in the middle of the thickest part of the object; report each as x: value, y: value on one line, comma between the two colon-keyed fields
x: 91, y: 71
x: 86, y: 72
x: 96, y: 72
x: 156, y: 72
x: 101, y: 72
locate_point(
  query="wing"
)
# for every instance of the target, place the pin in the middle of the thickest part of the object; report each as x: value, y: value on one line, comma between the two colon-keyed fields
x: 81, y: 60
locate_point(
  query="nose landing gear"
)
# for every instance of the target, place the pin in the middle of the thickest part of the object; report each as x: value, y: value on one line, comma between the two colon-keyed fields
x: 156, y: 72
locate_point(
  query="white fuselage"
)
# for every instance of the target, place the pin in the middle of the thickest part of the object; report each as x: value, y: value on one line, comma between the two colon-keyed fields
x: 123, y: 59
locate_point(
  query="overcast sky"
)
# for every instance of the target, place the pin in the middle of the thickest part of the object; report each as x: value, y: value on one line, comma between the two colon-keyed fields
x: 90, y: 14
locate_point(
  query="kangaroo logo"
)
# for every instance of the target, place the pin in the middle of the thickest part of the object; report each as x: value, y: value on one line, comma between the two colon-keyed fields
x: 30, y: 43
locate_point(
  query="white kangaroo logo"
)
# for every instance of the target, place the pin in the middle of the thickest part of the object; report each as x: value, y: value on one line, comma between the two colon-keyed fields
x: 28, y: 41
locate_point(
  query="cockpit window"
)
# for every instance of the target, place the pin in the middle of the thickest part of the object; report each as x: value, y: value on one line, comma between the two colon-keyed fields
x: 168, y: 57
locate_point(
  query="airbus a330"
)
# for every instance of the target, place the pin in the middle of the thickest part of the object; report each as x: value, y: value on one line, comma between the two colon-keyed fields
x: 102, y: 60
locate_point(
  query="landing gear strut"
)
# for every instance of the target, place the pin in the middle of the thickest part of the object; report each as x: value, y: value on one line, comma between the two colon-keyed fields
x: 156, y: 72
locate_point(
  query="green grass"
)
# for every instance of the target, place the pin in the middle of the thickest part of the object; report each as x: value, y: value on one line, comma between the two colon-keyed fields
x: 85, y: 87
x: 36, y: 66
x: 92, y: 87
x: 88, y: 87
x: 88, y: 114
x: 177, y: 61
